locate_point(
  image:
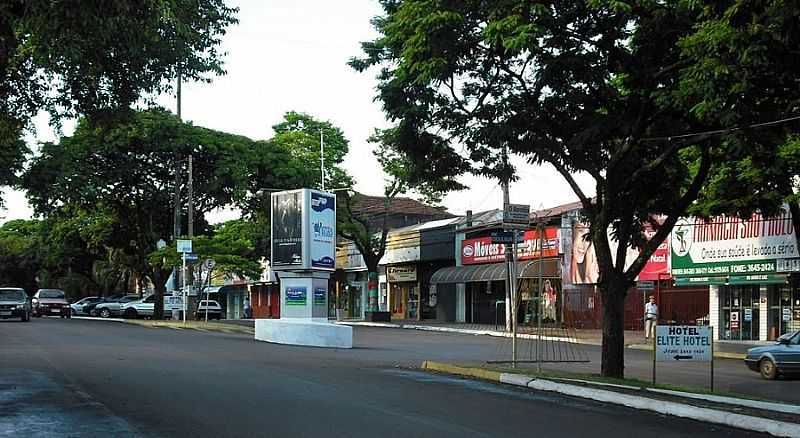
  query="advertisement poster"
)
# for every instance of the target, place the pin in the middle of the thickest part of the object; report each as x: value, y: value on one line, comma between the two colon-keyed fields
x: 296, y: 296
x: 482, y: 250
x: 734, y: 320
x: 287, y: 229
x: 322, y: 221
x: 729, y: 246
x: 320, y: 296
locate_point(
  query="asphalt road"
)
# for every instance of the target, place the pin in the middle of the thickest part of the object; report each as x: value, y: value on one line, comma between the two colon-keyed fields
x: 87, y: 378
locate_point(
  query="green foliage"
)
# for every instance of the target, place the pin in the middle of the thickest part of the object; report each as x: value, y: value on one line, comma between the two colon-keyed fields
x: 19, y: 241
x: 100, y: 56
x: 231, y: 245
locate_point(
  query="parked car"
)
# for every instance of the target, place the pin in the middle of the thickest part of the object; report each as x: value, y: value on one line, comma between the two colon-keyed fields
x: 145, y: 307
x: 111, y: 308
x: 212, y: 307
x: 77, y: 308
x: 14, y: 304
x: 89, y: 308
x: 779, y: 359
x: 51, y: 302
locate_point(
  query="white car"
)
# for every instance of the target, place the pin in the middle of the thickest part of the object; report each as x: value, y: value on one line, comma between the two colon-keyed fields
x: 211, y: 307
x: 77, y: 307
x: 145, y: 307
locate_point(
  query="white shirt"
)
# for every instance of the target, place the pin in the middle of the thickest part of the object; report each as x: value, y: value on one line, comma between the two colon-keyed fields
x: 650, y: 310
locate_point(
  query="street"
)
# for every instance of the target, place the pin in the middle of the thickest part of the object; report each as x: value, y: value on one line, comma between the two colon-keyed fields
x: 90, y: 378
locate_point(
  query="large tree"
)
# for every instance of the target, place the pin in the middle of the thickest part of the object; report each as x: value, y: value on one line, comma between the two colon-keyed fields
x: 69, y: 59
x: 586, y: 87
x: 125, y: 171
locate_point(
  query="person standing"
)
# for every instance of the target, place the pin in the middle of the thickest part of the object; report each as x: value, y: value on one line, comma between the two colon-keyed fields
x: 247, y: 308
x: 650, y: 318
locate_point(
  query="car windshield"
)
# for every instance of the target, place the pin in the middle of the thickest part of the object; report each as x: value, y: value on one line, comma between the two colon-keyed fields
x: 11, y: 295
x: 51, y: 293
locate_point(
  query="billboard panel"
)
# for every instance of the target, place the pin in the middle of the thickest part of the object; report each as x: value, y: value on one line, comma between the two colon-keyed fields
x: 287, y: 229
x: 322, y: 232
x: 483, y: 250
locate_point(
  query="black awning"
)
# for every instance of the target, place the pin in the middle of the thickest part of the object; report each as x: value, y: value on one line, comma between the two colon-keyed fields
x: 495, y: 272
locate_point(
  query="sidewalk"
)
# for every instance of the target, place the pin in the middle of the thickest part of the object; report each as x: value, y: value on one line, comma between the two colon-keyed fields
x: 633, y: 339
x: 778, y: 419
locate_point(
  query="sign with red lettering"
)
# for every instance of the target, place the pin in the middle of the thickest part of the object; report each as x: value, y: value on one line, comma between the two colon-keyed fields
x: 482, y: 250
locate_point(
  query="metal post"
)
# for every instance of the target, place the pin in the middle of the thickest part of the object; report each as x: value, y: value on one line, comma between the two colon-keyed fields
x: 208, y: 290
x: 322, y: 158
x: 540, y: 229
x: 190, y: 198
x: 654, y: 353
x: 712, y: 357
x: 513, y: 291
x: 183, y: 274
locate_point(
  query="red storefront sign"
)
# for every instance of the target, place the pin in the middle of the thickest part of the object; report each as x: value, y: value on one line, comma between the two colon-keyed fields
x: 482, y: 250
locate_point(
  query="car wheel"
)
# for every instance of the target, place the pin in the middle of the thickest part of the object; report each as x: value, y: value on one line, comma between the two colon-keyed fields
x: 768, y: 369
x: 105, y: 313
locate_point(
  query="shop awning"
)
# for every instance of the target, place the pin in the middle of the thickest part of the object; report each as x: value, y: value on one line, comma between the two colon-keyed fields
x: 494, y: 272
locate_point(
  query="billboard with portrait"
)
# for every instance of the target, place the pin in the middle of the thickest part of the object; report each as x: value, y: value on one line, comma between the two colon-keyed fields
x: 287, y: 229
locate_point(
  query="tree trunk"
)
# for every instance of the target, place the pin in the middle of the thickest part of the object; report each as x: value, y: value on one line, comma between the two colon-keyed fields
x: 160, y: 285
x: 613, y: 292
x: 372, y: 290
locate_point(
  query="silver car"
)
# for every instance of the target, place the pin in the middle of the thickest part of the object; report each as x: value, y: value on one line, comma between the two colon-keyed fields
x: 112, y: 308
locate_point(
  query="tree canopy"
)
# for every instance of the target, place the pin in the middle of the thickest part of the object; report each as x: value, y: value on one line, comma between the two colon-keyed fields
x: 596, y: 87
x: 99, y: 57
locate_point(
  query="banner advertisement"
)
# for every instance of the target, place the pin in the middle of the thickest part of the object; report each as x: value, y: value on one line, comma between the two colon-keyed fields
x: 583, y: 268
x: 320, y: 296
x: 740, y: 251
x: 296, y: 296
x: 482, y: 250
x: 287, y: 229
x: 322, y: 223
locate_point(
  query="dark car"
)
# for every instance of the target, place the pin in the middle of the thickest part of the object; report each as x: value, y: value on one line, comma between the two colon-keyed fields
x: 51, y: 302
x: 89, y: 309
x: 14, y: 304
x: 779, y: 359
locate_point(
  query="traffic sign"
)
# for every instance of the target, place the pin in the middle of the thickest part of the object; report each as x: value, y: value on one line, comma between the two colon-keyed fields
x: 645, y: 285
x: 684, y: 343
x: 191, y: 257
x: 517, y: 213
x: 504, y: 237
x: 208, y: 264
x: 184, y: 245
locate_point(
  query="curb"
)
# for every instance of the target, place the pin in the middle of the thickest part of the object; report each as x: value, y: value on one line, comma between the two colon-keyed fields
x: 739, y: 421
x: 428, y: 328
x: 203, y: 327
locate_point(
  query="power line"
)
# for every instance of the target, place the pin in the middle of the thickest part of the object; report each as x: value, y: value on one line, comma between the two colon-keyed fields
x: 723, y: 131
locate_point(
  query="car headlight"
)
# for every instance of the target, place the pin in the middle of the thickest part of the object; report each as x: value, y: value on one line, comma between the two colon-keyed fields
x: 20, y: 306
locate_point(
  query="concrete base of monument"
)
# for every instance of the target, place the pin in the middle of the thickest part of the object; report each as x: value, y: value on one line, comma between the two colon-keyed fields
x: 301, y: 331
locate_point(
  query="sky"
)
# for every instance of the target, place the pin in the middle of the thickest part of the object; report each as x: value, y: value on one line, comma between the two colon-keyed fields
x: 292, y: 56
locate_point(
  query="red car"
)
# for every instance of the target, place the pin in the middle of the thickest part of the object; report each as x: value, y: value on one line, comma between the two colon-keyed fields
x: 50, y: 302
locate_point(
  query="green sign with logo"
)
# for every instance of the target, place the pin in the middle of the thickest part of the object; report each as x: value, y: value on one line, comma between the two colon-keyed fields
x: 729, y: 250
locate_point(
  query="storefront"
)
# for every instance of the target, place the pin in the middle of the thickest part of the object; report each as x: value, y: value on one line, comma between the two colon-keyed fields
x: 403, y: 287
x: 480, y: 279
x: 349, y: 292
x: 746, y: 265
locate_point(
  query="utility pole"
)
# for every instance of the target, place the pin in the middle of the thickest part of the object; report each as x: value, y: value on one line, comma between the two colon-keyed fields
x: 504, y: 182
x: 322, y: 158
x: 176, y: 219
x: 190, y: 198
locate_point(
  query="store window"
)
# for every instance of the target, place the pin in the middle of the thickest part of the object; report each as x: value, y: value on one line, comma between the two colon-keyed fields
x: 784, y: 309
x: 739, y: 312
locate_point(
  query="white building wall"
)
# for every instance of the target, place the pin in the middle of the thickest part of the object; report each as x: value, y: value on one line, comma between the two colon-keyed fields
x: 713, y: 310
x: 763, y: 309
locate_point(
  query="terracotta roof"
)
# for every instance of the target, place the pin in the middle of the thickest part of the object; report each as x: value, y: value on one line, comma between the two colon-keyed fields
x: 367, y: 205
x: 557, y: 210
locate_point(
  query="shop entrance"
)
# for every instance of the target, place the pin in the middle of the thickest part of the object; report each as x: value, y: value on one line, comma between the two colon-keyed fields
x: 739, y: 313
x: 784, y: 309
x: 404, y: 300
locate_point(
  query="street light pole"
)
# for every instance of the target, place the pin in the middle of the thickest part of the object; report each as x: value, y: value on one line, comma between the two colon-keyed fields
x: 322, y: 158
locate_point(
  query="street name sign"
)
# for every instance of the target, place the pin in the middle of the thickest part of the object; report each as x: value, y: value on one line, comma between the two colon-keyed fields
x: 683, y: 343
x: 517, y: 214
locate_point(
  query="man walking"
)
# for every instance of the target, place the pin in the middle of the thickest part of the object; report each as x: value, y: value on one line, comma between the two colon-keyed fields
x: 650, y: 318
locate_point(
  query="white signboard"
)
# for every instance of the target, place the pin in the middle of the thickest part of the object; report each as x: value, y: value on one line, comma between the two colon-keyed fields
x: 683, y: 343
x: 173, y: 302
x: 322, y: 224
x: 184, y: 246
